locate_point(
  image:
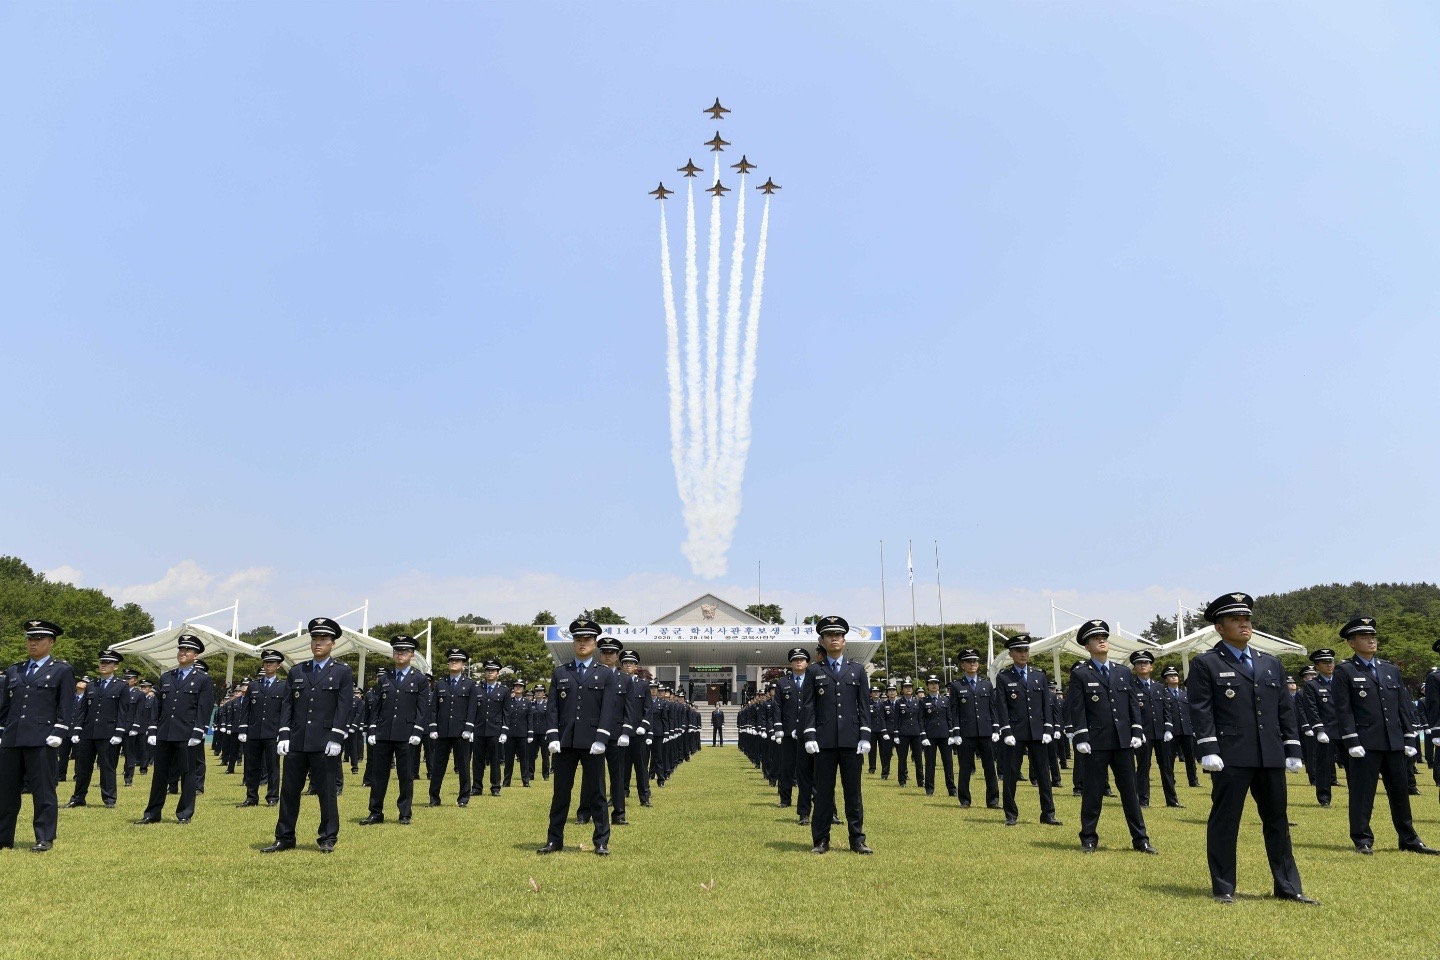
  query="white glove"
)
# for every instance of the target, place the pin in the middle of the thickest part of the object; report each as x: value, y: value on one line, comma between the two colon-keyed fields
x: 332, y: 749
x: 649, y: 740
x: 1083, y: 748
x: 52, y: 741
x: 193, y: 742
x: 1293, y: 764
x: 1311, y: 733
x: 640, y: 730
x: 282, y: 748
x: 1135, y: 743
x: 434, y: 734
x: 74, y: 738
x: 243, y: 737
x: 1323, y: 737
x: 1009, y: 741
x: 115, y: 740
x: 623, y: 740
x: 597, y: 748
x: 811, y: 746
x: 414, y: 741
x: 1212, y: 763
x: 1357, y: 752
x: 925, y: 742
x: 132, y: 733
x: 370, y: 739
x: 863, y: 747
x: 554, y: 746
x: 529, y: 739
x: 954, y: 741
x: 884, y: 736
x: 1046, y: 738
x: 1168, y: 737
x: 503, y: 738
x: 467, y: 736
x: 150, y: 740
x: 994, y: 738
x: 1411, y: 751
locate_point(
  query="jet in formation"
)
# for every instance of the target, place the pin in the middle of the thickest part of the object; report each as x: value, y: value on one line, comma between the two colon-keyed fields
x: 717, y: 145
x: 689, y: 169
x: 660, y: 193
x: 744, y: 166
x: 718, y: 191
x: 769, y: 186
x: 716, y: 112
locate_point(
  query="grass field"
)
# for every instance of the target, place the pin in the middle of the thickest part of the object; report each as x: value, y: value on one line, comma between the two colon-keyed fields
x: 943, y: 883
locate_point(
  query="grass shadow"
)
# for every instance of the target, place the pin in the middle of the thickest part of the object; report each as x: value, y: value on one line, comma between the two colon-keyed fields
x: 788, y: 846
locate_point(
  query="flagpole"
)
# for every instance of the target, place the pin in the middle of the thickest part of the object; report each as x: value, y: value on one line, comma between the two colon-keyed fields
x: 914, y: 620
x: 940, y: 601
x: 884, y: 621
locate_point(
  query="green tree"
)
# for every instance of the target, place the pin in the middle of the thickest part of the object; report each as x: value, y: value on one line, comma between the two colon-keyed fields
x: 90, y: 619
x: 544, y: 619
x: 602, y: 615
x: 520, y: 647
x: 472, y: 618
x: 769, y: 612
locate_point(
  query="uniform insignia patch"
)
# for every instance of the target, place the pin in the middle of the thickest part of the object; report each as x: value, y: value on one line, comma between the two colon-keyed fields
x: 1230, y: 693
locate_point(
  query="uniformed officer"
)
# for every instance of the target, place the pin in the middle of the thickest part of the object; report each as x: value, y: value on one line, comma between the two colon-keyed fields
x: 908, y: 733
x: 717, y: 727
x: 1317, y: 701
x: 132, y: 703
x: 615, y: 751
x: 68, y: 744
x: 643, y: 710
x: 314, y: 718
x: 1248, y: 736
x: 582, y: 715
x: 795, y: 764
x: 1157, y: 724
x: 36, y: 714
x: 876, y: 699
x: 883, y: 722
x: 518, y: 732
x: 452, y: 725
x: 1377, y: 730
x: 258, y: 730
x: 184, y: 700
x: 1022, y: 706
x: 98, y: 731
x: 935, y: 722
x: 1103, y: 713
x: 835, y: 728
x: 539, y: 756
x: 490, y: 732
x: 402, y: 713
x: 973, y: 729
x: 1184, y: 728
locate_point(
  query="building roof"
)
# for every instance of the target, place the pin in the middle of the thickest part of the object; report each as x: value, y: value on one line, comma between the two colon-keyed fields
x: 720, y: 612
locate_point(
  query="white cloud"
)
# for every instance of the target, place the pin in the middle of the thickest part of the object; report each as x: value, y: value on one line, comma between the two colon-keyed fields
x: 63, y: 574
x: 187, y: 589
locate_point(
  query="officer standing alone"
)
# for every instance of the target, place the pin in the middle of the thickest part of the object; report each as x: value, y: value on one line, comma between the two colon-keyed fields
x: 835, y: 728
x: 36, y: 709
x: 184, y: 700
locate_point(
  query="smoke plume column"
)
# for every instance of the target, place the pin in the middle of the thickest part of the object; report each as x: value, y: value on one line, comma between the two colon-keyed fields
x: 712, y: 334
x: 693, y: 409
x: 747, y: 368
x: 672, y: 366
x: 731, y: 358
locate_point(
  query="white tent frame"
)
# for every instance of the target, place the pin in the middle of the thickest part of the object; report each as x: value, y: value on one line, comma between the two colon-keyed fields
x: 294, y: 645
x: 157, y: 647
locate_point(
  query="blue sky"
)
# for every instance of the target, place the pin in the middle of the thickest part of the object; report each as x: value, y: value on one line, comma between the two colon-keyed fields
x: 1121, y: 303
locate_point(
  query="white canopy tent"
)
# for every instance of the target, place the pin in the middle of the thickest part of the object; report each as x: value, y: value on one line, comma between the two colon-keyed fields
x: 158, y: 648
x: 1122, y: 644
x: 1206, y: 637
x: 295, y: 646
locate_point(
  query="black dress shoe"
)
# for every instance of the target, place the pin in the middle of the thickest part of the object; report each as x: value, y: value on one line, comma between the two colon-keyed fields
x: 110, y: 805
x: 327, y: 846
x: 1196, y: 783
x: 41, y: 846
x: 782, y: 805
x: 964, y: 804
x: 494, y: 791
x: 1145, y: 846
x: 1088, y: 847
x: 860, y: 846
x: 269, y: 802
x: 247, y: 803
x: 929, y: 792
x: 1421, y: 848
x: 371, y: 820
x: 619, y: 821
x: 550, y: 848
x: 992, y: 806
x: 1144, y: 804
x: 804, y: 822
x: 1298, y: 898
x: 1364, y: 849
x: 1176, y: 804
x: 144, y: 821
x: 834, y: 821
x: 1011, y: 821
x: 434, y: 803
x: 602, y: 850
x: 404, y: 821
x: 1324, y: 804
x: 1050, y: 821
x: 646, y: 803
x: 822, y: 847
x: 74, y: 803
x: 277, y: 846
x: 182, y: 819
x: 1226, y: 898
x: 463, y: 802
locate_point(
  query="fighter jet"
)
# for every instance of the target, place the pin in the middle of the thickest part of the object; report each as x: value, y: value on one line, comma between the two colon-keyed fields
x: 744, y: 166
x: 716, y: 112
x: 660, y: 193
x: 769, y: 186
x: 717, y: 145
x: 689, y: 169
x: 718, y: 191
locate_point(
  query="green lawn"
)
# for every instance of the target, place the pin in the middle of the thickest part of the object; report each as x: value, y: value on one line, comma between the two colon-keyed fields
x: 943, y: 883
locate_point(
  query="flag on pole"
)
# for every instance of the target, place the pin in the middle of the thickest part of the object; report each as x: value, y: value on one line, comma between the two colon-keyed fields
x: 910, y: 563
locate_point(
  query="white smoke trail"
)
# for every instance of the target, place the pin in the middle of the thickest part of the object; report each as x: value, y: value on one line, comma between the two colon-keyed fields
x: 747, y: 369
x: 712, y: 335
x: 730, y: 360
x: 693, y: 410
x: 672, y: 366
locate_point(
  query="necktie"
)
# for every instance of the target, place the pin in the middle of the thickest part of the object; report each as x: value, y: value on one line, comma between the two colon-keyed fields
x: 1024, y: 675
x: 1105, y: 671
x: 1246, y: 665
x: 30, y: 670
x: 452, y: 681
x: 580, y: 668
x: 835, y: 667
